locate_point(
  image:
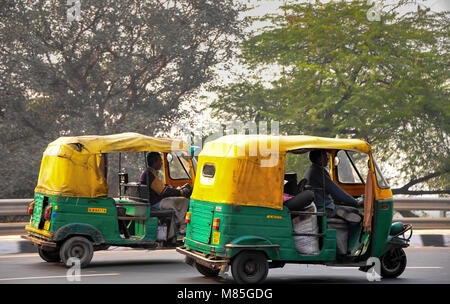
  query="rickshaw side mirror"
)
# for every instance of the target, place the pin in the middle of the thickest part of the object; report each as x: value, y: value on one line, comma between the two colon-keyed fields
x: 169, y: 157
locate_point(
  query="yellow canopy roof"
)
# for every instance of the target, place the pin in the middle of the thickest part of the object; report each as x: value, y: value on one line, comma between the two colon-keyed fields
x: 249, y: 169
x: 71, y: 165
x: 235, y: 145
x: 123, y: 142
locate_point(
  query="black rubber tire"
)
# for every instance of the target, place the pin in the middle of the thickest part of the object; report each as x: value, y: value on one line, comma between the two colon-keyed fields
x: 77, y: 247
x: 393, y: 263
x: 206, y: 271
x: 49, y: 256
x: 249, y: 267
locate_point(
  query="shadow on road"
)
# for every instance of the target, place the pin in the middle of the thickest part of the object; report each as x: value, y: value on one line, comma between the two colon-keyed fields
x: 121, y: 263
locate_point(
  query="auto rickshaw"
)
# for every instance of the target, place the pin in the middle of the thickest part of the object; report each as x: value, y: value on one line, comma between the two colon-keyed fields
x: 237, y: 217
x: 73, y: 215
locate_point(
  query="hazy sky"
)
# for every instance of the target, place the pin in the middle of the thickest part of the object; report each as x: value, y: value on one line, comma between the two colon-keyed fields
x: 267, y: 6
x: 264, y: 7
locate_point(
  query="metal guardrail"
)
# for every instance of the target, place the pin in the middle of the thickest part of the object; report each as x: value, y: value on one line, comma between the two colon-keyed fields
x: 406, y: 203
x: 18, y: 207
x: 14, y: 206
x: 422, y: 204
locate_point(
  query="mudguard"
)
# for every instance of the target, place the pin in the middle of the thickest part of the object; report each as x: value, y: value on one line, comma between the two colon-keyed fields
x: 400, y: 238
x: 79, y: 229
x: 253, y: 243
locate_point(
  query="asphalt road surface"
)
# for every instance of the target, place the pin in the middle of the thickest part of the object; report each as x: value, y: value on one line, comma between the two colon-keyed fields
x: 426, y: 265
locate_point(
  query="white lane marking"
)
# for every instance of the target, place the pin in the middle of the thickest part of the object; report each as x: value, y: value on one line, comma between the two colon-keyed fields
x: 109, y: 251
x: 19, y: 255
x: 423, y: 267
x: 9, y: 248
x: 55, y: 277
x: 407, y: 267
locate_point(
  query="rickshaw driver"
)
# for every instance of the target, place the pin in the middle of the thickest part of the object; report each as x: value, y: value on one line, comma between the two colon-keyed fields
x: 163, y: 196
x: 316, y: 174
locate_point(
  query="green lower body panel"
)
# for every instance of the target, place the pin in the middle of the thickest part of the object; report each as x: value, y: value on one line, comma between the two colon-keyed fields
x: 252, y: 228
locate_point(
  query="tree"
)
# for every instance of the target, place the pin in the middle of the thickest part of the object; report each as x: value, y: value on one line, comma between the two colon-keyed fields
x: 124, y: 66
x: 340, y: 74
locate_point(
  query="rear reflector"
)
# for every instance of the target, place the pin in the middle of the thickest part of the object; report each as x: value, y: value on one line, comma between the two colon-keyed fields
x: 216, y: 224
x: 187, y: 220
x: 31, y: 208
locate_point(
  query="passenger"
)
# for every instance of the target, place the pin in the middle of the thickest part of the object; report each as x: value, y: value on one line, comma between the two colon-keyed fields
x: 163, y: 196
x: 286, y: 197
x: 294, y: 196
x: 299, y: 202
x: 290, y: 187
x: 316, y: 175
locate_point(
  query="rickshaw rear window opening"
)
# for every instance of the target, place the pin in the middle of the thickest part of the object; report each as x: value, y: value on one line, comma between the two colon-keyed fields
x: 209, y: 170
x: 77, y: 146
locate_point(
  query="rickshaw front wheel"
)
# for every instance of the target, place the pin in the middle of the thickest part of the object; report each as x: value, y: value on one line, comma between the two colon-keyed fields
x: 206, y: 271
x: 249, y: 267
x: 49, y: 256
x: 76, y: 247
x: 393, y: 263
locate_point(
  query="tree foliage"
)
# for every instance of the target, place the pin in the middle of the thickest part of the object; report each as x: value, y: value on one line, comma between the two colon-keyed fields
x: 339, y: 74
x: 125, y: 66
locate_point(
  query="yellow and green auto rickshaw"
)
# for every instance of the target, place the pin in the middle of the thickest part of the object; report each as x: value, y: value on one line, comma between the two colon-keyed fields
x: 75, y: 211
x: 237, y: 216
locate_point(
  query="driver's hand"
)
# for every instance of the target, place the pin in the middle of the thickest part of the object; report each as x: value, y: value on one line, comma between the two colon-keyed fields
x: 187, y: 186
x: 360, y: 202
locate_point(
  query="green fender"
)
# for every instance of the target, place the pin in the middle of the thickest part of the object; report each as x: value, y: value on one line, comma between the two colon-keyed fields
x: 79, y: 229
x: 253, y: 243
x: 397, y: 238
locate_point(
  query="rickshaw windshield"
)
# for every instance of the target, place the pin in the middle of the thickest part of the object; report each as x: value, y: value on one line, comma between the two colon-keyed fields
x: 179, y: 167
x: 352, y: 167
x: 381, y: 181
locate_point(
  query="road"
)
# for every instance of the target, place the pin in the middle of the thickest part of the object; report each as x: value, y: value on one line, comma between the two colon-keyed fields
x: 426, y: 265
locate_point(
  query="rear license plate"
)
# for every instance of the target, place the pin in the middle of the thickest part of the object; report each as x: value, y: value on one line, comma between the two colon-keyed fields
x: 216, y: 237
x: 47, y: 225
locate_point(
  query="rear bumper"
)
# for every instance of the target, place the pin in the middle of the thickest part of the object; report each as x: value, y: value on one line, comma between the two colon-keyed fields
x: 203, y: 260
x: 43, y: 233
x: 40, y: 242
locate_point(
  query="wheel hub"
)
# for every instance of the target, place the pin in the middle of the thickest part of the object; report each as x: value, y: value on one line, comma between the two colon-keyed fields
x: 77, y: 251
x: 250, y: 268
x: 393, y: 260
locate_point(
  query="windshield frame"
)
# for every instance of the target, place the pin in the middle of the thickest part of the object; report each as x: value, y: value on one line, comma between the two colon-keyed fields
x: 379, y: 175
x: 180, y: 158
x: 354, y: 167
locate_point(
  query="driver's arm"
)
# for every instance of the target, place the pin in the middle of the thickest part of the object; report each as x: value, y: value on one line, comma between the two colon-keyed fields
x: 338, y: 194
x: 162, y: 189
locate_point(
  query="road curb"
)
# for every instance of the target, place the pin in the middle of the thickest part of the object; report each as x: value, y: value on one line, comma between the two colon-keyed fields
x: 430, y: 240
x: 15, y: 245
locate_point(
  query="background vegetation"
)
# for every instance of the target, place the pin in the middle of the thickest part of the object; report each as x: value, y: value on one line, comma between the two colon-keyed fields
x: 318, y: 68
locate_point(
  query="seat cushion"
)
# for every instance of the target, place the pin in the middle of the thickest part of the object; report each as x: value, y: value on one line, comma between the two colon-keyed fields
x: 335, y: 220
x: 161, y: 213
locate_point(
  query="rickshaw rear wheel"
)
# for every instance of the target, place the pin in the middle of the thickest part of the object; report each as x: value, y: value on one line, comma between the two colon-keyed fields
x: 49, y: 256
x: 393, y: 263
x: 249, y: 267
x: 77, y: 247
x: 206, y: 271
